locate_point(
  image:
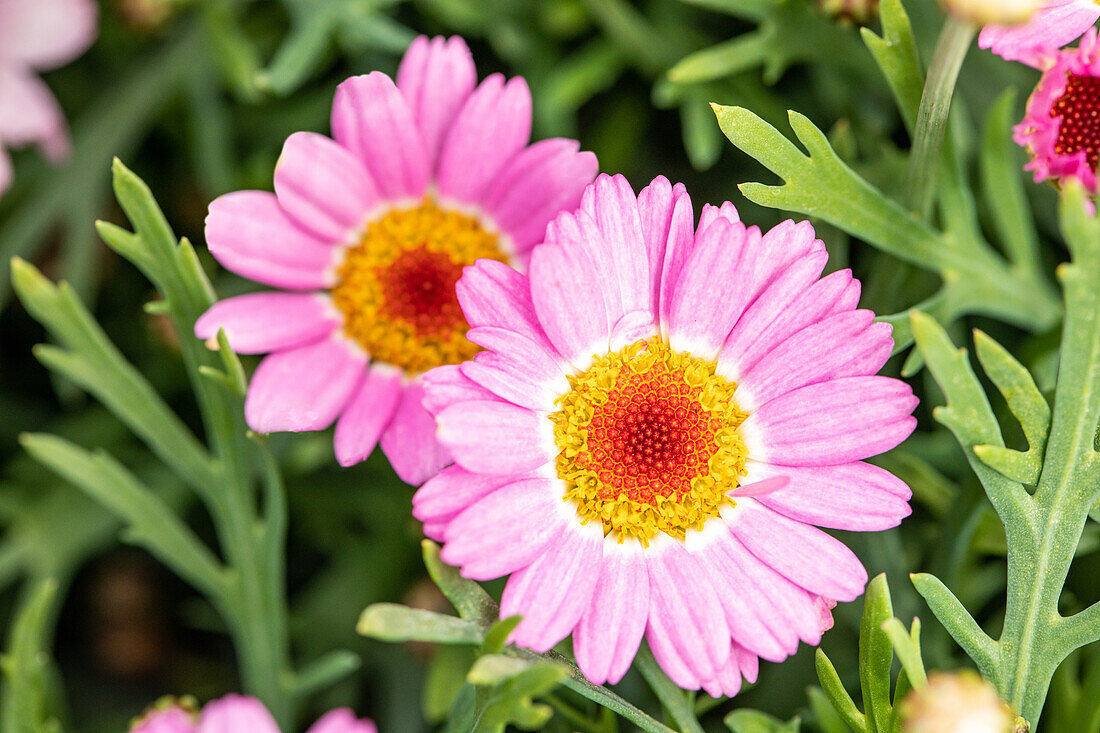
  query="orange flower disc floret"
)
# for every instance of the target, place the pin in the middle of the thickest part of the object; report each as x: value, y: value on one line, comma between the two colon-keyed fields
x: 1079, y: 108
x: 396, y: 286
x: 649, y: 441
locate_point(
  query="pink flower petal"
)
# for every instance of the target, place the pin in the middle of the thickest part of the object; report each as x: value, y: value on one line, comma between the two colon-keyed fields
x: 794, y: 300
x: 698, y: 321
x: 710, y: 214
x: 610, y: 630
x: 667, y: 219
x: 493, y: 125
x: 858, y: 497
x: 248, y: 233
x: 535, y: 185
x: 727, y: 682
x: 496, y: 437
x: 447, y: 385
x: 565, y: 289
x: 829, y: 423
x: 367, y: 414
x: 451, y: 491
x: 234, y: 714
x: 506, y: 530
x: 804, y: 554
x: 46, y: 34
x: 493, y: 294
x: 687, y: 626
x: 258, y: 323
x: 516, y: 369
x: 323, y: 187
x: 169, y: 720
x: 553, y: 591
x: 410, y: 442
x: 303, y: 389
x: 436, y: 77
x: 372, y: 120
x: 754, y: 620
x: 30, y: 114
x: 761, y: 595
x: 842, y: 345
x: 342, y: 720
x: 1056, y: 24
x: 612, y: 236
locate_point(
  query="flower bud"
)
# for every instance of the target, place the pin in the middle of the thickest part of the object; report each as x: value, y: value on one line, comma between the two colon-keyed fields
x: 857, y: 12
x: 956, y: 702
x: 992, y: 12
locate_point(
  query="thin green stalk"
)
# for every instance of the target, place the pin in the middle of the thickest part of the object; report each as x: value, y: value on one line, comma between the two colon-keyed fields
x: 939, y: 87
x: 672, y: 697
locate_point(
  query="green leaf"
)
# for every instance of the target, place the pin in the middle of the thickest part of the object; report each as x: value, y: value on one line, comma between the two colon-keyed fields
x: 838, y: 697
x: 674, y: 700
x: 444, y: 680
x: 754, y: 721
x: 958, y: 622
x: 148, y: 521
x: 515, y: 686
x: 826, y: 716
x: 1025, y: 401
x: 29, y: 706
x: 468, y: 598
x: 970, y: 418
x: 895, y: 53
x: 90, y: 360
x: 497, y: 635
x: 394, y: 622
x: 1002, y: 184
x: 907, y: 646
x: 876, y: 655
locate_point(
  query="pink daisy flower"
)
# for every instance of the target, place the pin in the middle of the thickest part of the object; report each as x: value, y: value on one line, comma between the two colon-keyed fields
x: 1055, y: 24
x: 367, y: 234
x: 36, y: 36
x: 1061, y: 129
x: 660, y: 418
x: 239, y: 714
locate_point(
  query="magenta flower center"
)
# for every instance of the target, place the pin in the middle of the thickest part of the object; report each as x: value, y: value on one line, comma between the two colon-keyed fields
x: 396, y: 286
x: 1079, y: 108
x: 649, y: 441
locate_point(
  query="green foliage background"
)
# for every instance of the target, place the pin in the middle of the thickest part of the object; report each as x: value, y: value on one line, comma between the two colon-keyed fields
x: 199, y: 102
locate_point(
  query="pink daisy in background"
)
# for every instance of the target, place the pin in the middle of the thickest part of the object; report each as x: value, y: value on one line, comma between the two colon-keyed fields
x: 239, y: 714
x: 660, y: 417
x: 35, y: 36
x: 1035, y: 43
x: 1061, y: 129
x: 367, y: 234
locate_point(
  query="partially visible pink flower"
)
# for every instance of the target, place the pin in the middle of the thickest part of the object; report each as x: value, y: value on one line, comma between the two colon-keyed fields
x: 37, y: 35
x: 663, y: 416
x: 240, y: 714
x: 1061, y: 129
x: 1036, y: 42
x: 369, y: 233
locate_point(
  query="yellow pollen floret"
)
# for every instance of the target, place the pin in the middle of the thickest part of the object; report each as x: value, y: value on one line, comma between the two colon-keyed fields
x: 649, y: 441
x: 396, y: 286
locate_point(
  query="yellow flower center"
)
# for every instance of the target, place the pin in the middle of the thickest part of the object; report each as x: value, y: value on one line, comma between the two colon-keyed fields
x: 649, y: 441
x: 396, y: 286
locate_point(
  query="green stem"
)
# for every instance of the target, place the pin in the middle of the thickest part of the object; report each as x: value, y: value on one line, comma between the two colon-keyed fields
x: 935, y: 103
x: 672, y: 697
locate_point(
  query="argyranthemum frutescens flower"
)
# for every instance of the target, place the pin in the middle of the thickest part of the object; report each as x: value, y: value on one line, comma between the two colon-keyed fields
x: 1055, y: 24
x: 1061, y: 129
x: 239, y: 714
x: 660, y: 417
x: 35, y: 36
x: 369, y: 232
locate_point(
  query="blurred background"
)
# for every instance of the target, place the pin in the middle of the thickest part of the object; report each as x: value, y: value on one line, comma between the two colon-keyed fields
x: 197, y: 97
